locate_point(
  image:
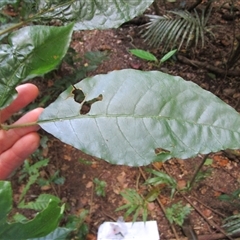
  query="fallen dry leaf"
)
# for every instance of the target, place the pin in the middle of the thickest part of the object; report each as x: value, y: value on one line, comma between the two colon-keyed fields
x: 89, y: 184
x: 220, y: 160
x: 46, y: 187
x: 181, y: 184
x: 121, y: 178
x: 158, y: 165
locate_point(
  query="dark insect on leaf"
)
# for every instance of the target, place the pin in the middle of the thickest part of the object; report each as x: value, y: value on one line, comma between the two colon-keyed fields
x: 79, y: 95
x: 86, y: 107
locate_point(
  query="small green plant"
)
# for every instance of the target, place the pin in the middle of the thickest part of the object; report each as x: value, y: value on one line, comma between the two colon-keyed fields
x: 31, y: 172
x: 78, y: 226
x: 135, y: 204
x: 162, y: 178
x: 233, y: 197
x: 84, y: 161
x: 55, y: 178
x: 40, y: 203
x: 177, y: 213
x: 150, y: 57
x: 201, y: 175
x: 100, y: 187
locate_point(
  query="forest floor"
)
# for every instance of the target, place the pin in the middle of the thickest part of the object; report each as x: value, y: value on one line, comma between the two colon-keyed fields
x: 221, y: 174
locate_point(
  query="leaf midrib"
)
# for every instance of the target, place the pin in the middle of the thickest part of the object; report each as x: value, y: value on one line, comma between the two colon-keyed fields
x: 117, y: 116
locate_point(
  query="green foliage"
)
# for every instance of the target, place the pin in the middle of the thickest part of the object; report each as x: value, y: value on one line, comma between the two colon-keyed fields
x: 31, y: 52
x: 84, y: 161
x: 143, y: 54
x: 177, y: 213
x: 203, y: 175
x: 136, y: 205
x: 78, y: 225
x: 232, y: 224
x: 43, y: 223
x: 162, y: 178
x: 32, y: 172
x: 35, y: 50
x: 40, y: 203
x: 85, y: 14
x: 234, y: 197
x: 150, y: 57
x: 100, y: 187
x: 55, y: 178
x: 79, y: 66
x: 168, y: 29
x: 59, y: 233
x: 153, y: 106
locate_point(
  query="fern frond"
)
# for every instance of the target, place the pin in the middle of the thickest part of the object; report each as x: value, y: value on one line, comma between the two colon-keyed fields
x: 232, y: 224
x: 177, y: 26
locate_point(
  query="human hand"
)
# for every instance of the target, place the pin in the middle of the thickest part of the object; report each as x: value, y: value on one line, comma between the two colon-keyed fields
x: 16, y: 144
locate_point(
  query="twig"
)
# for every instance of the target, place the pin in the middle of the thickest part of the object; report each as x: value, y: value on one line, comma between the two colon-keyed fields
x: 203, y: 204
x: 162, y: 207
x: 194, y: 5
x: 210, y: 222
x: 216, y: 236
x: 209, y: 67
x: 197, y: 171
x: 156, y: 8
x: 91, y: 201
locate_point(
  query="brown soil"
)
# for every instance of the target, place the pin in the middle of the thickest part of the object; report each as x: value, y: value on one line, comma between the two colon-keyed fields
x: 78, y: 188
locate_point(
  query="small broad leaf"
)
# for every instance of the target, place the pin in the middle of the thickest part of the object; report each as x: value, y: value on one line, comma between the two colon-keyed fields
x: 32, y: 51
x: 168, y: 55
x: 143, y: 54
x: 140, y: 112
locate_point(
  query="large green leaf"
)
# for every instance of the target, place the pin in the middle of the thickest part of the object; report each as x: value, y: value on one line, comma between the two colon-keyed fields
x: 44, y: 223
x: 32, y: 51
x: 58, y: 234
x: 92, y: 14
x: 140, y: 112
x: 5, y: 200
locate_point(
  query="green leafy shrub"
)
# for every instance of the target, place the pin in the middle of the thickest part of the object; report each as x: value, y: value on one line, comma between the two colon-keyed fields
x: 136, y: 204
x: 150, y: 57
x: 100, y: 187
x: 162, y: 178
x: 177, y: 213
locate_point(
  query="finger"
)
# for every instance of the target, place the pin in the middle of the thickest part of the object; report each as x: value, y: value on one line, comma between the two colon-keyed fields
x: 26, y: 94
x: 8, y: 138
x: 14, y: 157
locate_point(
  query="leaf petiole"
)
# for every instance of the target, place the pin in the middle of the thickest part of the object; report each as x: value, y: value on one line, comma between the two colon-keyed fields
x: 6, y: 127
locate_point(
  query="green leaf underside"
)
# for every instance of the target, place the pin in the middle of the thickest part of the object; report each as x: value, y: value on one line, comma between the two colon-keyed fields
x: 100, y: 14
x: 142, y: 111
x: 32, y: 51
